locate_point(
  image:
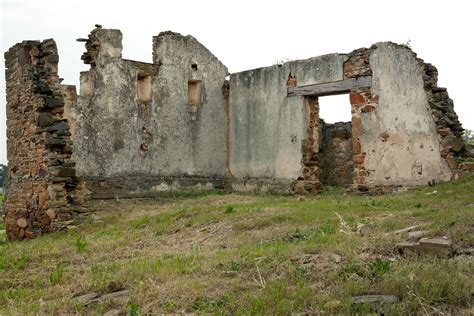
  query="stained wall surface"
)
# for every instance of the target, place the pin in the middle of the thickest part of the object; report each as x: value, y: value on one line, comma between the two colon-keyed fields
x: 136, y: 119
x: 399, y: 138
x: 266, y: 127
x: 139, y: 129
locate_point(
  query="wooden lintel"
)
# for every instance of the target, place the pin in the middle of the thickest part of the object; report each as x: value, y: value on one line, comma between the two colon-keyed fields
x: 331, y: 88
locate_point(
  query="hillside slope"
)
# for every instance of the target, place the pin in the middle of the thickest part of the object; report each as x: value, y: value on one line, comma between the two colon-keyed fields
x: 272, y: 254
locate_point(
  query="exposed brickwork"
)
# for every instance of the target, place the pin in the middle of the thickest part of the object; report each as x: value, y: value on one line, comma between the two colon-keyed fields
x: 362, y: 101
x: 41, y: 176
x: 142, y: 105
x: 309, y: 180
x: 336, y: 158
x: 449, y: 129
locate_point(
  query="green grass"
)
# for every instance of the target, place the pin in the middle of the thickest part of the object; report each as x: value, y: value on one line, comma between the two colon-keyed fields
x: 244, y: 254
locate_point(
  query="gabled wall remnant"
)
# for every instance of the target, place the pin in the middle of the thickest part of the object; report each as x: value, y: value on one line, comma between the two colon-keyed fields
x: 140, y: 129
x: 145, y: 128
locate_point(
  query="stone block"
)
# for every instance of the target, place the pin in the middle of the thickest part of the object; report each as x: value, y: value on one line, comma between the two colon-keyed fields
x: 53, y: 58
x: 468, y: 165
x: 54, y: 103
x: 22, y: 222
x: 374, y: 299
x: 45, y: 119
x: 436, y: 246
x: 356, y: 98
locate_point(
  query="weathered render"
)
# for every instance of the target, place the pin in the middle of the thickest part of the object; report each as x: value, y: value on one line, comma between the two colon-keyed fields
x: 136, y: 120
x: 399, y: 139
x: 140, y: 129
x: 267, y: 128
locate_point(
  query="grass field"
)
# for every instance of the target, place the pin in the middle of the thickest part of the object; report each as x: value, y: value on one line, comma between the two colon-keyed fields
x: 235, y: 253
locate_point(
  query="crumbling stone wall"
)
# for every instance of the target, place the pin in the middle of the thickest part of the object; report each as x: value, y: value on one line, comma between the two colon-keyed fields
x: 395, y: 139
x: 448, y: 127
x: 165, y: 122
x: 335, y: 156
x: 138, y: 129
x: 272, y: 137
x: 41, y: 175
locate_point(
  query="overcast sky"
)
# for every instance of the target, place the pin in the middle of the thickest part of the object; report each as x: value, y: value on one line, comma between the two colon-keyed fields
x: 249, y: 34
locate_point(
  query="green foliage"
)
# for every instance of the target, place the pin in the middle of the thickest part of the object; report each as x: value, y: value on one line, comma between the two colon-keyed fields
x: 379, y: 267
x: 376, y: 203
x: 229, y: 209
x: 210, y: 305
x: 141, y: 222
x: 235, y: 265
x: 133, y: 309
x: 468, y: 136
x: 3, y: 174
x: 56, y: 275
x: 81, y: 243
x: 348, y: 269
x: 275, y: 256
x: 330, y: 190
x: 13, y: 263
x: 301, y: 270
x: 300, y: 235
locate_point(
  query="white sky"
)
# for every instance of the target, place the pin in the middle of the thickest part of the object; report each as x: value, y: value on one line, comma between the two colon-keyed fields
x: 247, y: 34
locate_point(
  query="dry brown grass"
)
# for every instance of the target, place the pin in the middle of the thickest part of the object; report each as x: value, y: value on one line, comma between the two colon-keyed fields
x: 246, y: 254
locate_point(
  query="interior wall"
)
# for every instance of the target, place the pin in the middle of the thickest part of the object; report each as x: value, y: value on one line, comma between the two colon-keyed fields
x: 336, y: 155
x: 267, y: 128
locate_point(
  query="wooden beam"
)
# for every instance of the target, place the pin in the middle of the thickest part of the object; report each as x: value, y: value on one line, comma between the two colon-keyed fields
x: 331, y: 88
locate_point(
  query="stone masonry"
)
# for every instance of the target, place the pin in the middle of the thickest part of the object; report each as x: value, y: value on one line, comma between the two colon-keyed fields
x: 179, y: 124
x: 41, y: 175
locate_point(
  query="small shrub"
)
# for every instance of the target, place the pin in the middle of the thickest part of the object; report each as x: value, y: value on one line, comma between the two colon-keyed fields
x: 375, y: 203
x: 379, y: 267
x: 235, y: 265
x: 94, y: 268
x: 141, y: 222
x: 133, y: 309
x: 202, y: 304
x: 327, y: 228
x: 18, y: 263
x: 229, y: 209
x: 348, y: 269
x: 81, y: 243
x: 299, y: 235
x: 330, y: 190
x: 55, y: 276
x: 169, y: 306
x: 451, y: 223
x: 301, y: 270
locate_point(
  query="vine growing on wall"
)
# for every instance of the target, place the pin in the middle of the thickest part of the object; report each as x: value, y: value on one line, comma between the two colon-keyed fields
x: 3, y: 174
x: 469, y: 136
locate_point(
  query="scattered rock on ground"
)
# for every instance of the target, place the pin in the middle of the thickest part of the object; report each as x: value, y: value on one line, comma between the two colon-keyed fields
x: 416, y: 234
x: 437, y: 246
x: 332, y: 304
x: 337, y: 258
x: 87, y: 298
x: 374, y: 299
x: 466, y: 251
x: 405, y: 230
x: 93, y: 297
x: 115, y: 312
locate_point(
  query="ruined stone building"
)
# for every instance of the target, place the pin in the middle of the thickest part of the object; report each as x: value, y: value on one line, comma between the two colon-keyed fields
x: 137, y: 129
